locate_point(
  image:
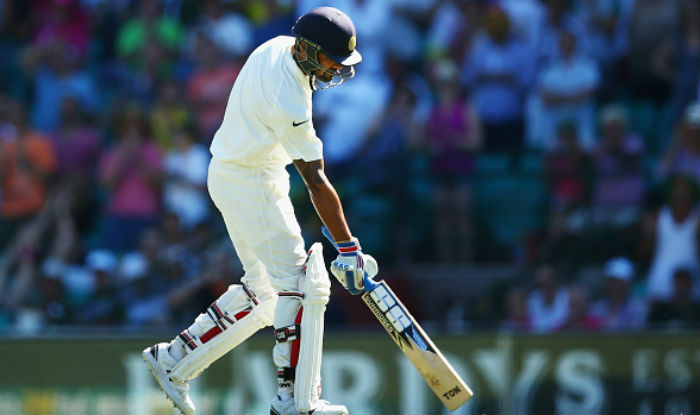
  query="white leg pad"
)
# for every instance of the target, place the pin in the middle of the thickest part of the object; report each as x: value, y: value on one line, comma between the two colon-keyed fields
x: 316, y: 287
x: 234, y: 317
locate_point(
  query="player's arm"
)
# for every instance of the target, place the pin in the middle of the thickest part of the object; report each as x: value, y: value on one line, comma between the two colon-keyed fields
x: 351, y: 264
x: 324, y: 197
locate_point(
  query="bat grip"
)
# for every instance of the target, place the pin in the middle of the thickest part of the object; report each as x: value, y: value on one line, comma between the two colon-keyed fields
x: 367, y: 281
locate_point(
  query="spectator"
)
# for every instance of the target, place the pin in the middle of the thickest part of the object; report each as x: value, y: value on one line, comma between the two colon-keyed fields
x: 53, y: 300
x: 102, y: 307
x: 148, y: 42
x: 57, y: 75
x: 106, y: 18
x: 209, y: 87
x: 203, y: 238
x: 567, y: 188
x: 650, y: 53
x: 274, y: 18
x: 137, y: 263
x: 687, y: 62
x: 683, y: 155
x: 13, y: 37
x: 527, y: 19
x: 676, y: 239
x: 564, y: 91
x: 558, y: 19
x: 391, y: 135
x: 186, y: 167
x: 452, y: 136
x: 497, y: 73
x: 567, y: 170
x: 173, y: 242
x: 681, y: 310
x: 548, y: 304
x: 620, y: 184
x: 453, y: 27
x: 517, y: 315
x: 27, y: 160
x: 169, y: 114
x: 77, y: 146
x: 76, y: 143
x: 144, y: 294
x: 579, y: 316
x: 619, y: 310
x: 229, y: 31
x: 131, y: 172
x: 603, y: 21
x: 64, y: 21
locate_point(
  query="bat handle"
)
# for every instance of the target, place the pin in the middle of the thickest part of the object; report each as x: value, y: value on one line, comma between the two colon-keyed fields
x: 368, y: 282
x: 327, y: 234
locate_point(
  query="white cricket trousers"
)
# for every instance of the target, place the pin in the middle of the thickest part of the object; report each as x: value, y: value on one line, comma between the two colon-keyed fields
x: 260, y: 221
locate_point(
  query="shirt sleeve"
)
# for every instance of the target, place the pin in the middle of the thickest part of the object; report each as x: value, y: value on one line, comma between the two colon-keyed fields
x: 295, y: 129
x: 301, y: 142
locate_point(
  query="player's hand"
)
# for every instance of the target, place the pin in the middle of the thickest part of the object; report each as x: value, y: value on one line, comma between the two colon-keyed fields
x: 352, y: 266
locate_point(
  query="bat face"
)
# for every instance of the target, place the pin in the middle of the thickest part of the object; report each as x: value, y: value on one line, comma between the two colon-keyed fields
x: 452, y: 391
x: 395, y: 334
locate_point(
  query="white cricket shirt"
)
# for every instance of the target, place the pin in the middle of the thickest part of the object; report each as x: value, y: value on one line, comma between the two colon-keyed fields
x: 268, y: 115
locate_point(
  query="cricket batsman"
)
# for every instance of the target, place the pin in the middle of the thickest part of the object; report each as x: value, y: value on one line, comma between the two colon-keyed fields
x: 267, y: 125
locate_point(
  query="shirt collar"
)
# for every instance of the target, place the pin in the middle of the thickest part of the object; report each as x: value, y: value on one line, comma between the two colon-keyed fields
x: 296, y: 70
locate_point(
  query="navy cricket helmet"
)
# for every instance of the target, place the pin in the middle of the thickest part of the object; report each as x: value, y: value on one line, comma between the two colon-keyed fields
x: 331, y: 32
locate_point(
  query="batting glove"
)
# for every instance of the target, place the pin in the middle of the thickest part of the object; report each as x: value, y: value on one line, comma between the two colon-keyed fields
x: 351, y: 266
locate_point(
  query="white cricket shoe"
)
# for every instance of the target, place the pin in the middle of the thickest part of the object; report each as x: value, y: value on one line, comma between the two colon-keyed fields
x: 287, y: 407
x: 160, y: 362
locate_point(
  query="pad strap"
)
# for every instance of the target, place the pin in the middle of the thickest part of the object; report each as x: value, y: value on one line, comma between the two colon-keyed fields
x: 188, y: 339
x: 298, y: 294
x: 250, y: 295
x: 289, y: 333
x: 286, y: 374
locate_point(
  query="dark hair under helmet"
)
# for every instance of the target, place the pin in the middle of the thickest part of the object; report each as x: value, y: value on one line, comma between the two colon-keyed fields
x: 330, y: 31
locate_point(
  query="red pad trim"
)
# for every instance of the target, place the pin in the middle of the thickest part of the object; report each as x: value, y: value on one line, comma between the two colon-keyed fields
x: 296, y: 344
x: 216, y: 330
x: 210, y: 334
x: 241, y: 314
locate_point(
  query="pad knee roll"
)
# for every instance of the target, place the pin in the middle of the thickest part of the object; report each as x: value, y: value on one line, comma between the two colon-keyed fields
x: 234, y: 317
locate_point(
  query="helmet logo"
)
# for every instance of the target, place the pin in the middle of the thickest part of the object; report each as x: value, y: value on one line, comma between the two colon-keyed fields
x: 351, y: 43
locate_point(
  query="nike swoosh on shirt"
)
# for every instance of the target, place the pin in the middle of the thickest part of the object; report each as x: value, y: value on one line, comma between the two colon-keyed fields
x: 296, y: 124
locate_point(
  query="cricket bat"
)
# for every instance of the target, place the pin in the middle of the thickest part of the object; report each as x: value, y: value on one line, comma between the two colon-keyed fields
x: 449, y: 388
x: 444, y: 381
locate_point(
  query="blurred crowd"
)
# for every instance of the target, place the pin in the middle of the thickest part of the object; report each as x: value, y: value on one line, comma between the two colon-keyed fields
x: 560, y: 137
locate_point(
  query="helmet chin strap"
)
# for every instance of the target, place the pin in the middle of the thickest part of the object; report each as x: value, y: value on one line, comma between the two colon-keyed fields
x: 310, y: 64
